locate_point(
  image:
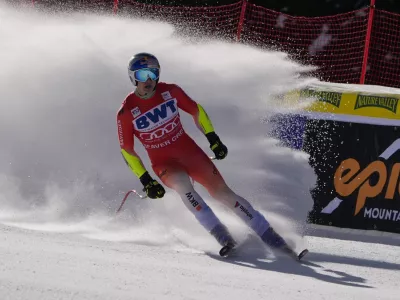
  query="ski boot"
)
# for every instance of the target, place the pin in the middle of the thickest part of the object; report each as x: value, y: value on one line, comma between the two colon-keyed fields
x: 274, y: 240
x: 224, y: 238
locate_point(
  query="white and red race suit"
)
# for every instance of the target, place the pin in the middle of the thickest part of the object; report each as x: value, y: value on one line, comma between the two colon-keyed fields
x: 174, y: 156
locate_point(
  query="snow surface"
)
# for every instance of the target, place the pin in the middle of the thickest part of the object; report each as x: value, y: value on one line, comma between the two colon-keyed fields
x: 42, y: 265
x: 62, y: 79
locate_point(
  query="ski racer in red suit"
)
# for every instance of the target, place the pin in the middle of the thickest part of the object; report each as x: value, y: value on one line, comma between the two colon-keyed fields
x: 151, y: 114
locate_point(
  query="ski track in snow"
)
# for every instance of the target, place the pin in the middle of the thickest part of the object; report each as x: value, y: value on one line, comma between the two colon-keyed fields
x: 62, y: 176
x: 42, y: 265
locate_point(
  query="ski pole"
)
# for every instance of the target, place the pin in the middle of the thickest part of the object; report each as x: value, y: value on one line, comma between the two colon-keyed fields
x: 126, y: 197
x: 138, y: 195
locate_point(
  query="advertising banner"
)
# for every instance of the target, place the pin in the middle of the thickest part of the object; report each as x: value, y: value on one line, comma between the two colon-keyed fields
x: 353, y: 139
x: 358, y: 167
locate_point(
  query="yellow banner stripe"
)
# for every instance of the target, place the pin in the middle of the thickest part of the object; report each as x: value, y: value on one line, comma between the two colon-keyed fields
x: 385, y: 106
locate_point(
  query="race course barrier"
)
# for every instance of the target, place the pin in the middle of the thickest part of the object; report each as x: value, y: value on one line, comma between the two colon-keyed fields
x: 352, y: 134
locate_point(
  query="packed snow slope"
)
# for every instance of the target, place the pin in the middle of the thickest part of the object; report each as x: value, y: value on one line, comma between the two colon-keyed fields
x: 62, y: 80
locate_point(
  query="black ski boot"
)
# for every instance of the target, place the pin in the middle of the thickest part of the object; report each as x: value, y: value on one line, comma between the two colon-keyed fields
x: 275, y: 241
x: 227, y: 250
x: 224, y: 238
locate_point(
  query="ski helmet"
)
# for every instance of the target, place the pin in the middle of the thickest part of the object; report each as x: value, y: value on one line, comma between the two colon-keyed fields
x: 143, y: 66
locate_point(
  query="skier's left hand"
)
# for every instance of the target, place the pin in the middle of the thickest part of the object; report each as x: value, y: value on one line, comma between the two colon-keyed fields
x: 152, y: 188
x: 219, y: 149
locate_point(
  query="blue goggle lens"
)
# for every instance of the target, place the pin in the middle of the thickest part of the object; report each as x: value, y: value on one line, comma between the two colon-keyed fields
x: 143, y: 74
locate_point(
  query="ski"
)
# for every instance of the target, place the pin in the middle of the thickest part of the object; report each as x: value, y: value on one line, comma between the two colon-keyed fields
x: 293, y: 254
x: 227, y: 250
x: 302, y: 254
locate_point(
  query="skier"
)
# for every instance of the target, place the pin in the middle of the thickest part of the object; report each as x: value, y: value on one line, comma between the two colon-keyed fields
x: 150, y: 114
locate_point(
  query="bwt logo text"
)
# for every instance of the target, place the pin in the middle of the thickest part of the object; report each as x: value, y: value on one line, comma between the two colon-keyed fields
x: 156, y: 116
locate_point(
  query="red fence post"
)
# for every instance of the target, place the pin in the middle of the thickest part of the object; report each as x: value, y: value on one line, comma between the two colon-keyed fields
x: 367, y: 41
x: 241, y: 20
x: 115, y: 6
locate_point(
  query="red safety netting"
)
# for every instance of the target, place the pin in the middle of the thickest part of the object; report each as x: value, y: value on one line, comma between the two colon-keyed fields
x: 383, y: 66
x: 335, y: 44
x: 221, y: 21
x: 105, y: 6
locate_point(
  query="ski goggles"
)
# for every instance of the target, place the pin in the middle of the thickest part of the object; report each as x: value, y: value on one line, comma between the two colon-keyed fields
x: 143, y: 74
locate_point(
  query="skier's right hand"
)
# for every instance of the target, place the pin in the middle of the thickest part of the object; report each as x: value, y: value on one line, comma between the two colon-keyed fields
x: 151, y: 186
